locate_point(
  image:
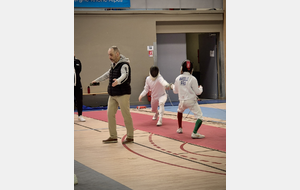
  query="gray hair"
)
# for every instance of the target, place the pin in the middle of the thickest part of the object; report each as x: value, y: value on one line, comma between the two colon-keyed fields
x: 115, y: 48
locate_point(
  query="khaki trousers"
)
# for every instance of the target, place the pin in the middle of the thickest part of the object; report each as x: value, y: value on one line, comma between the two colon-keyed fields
x: 112, y: 108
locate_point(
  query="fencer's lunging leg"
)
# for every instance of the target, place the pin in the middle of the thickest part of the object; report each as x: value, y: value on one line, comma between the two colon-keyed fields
x: 154, y: 106
x: 155, y: 116
x: 179, y: 119
x: 160, y: 113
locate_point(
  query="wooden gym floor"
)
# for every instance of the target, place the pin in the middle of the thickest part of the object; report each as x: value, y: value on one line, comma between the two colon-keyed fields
x: 151, y: 162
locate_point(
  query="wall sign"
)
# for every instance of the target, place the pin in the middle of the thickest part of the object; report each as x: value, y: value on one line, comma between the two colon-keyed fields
x: 102, y: 3
x: 150, y: 48
x: 150, y: 51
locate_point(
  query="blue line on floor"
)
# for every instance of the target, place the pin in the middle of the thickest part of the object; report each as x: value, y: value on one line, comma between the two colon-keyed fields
x: 207, y: 112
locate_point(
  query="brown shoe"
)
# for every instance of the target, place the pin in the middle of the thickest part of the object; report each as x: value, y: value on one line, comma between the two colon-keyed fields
x: 127, y: 140
x: 110, y: 140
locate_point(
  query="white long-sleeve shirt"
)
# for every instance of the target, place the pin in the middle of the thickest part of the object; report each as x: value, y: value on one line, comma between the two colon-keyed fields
x: 156, y: 86
x: 186, y: 86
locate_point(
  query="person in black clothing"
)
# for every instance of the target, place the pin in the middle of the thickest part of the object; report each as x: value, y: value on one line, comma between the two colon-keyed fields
x: 78, y: 88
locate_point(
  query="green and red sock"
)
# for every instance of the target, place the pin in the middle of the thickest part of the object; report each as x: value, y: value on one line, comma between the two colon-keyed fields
x: 197, y: 125
x: 179, y: 118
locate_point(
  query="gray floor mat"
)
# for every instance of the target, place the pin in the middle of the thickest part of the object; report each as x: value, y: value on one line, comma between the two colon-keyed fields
x: 89, y: 179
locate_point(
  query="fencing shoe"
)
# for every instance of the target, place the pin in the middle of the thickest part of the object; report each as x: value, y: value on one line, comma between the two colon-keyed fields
x: 155, y: 116
x: 159, y: 123
x: 179, y: 130
x: 197, y: 136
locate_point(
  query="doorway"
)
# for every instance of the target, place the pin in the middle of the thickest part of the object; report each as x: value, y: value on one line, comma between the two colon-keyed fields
x: 207, y: 60
x: 200, y: 48
x: 171, y: 52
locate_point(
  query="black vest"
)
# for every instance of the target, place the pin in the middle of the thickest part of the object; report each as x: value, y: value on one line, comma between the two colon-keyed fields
x: 120, y: 89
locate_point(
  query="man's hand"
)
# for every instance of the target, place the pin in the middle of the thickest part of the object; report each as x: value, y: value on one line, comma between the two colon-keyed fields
x: 115, y: 83
x: 140, y: 98
x: 94, y: 83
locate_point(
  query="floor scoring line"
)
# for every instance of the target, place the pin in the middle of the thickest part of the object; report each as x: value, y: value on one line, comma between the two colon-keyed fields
x: 151, y: 141
x: 174, y: 156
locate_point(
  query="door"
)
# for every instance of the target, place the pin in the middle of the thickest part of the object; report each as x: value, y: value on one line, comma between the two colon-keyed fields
x: 171, y: 52
x: 208, y: 65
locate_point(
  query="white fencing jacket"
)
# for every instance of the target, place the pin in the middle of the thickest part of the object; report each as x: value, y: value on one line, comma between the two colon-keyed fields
x: 186, y: 86
x: 157, y: 87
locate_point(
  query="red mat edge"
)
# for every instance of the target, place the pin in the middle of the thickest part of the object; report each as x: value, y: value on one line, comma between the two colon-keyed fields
x: 206, y: 146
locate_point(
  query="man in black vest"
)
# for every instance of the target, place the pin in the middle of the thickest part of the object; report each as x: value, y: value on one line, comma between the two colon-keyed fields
x: 119, y: 91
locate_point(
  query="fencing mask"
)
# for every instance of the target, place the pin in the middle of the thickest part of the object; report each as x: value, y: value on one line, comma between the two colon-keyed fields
x: 187, y: 66
x: 154, y: 71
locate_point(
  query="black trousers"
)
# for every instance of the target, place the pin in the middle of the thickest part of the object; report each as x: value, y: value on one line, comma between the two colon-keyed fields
x: 78, y: 99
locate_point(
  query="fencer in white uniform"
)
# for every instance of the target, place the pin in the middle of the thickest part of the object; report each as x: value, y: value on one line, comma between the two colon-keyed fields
x: 158, y: 86
x: 186, y: 86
